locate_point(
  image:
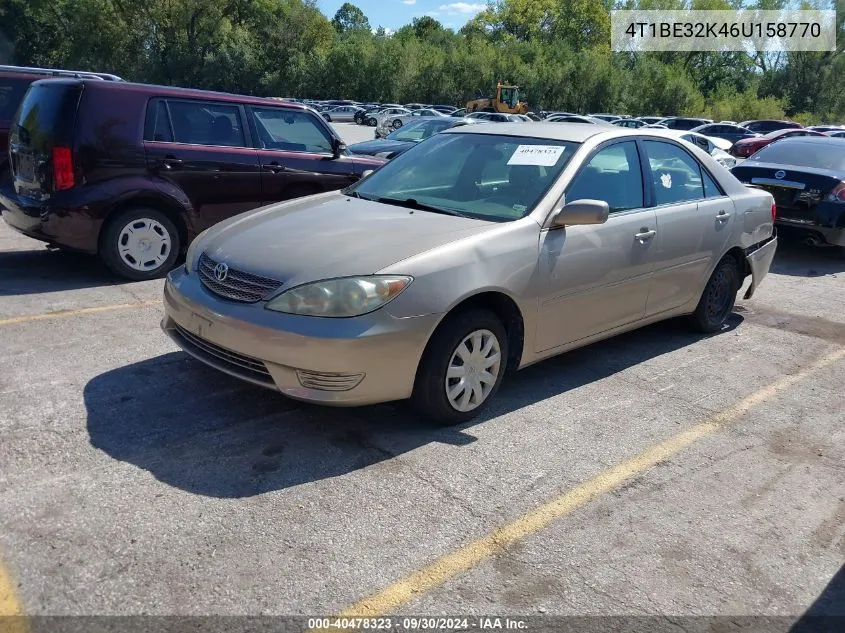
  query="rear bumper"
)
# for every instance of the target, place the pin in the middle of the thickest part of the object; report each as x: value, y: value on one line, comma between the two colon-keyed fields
x: 799, y: 229
x: 49, y: 222
x: 759, y: 260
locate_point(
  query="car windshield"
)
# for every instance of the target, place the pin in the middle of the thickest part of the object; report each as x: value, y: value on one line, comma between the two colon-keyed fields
x: 816, y: 155
x: 421, y: 130
x: 485, y: 176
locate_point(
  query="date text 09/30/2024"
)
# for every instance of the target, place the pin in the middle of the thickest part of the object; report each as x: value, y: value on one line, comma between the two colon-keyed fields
x: 462, y: 623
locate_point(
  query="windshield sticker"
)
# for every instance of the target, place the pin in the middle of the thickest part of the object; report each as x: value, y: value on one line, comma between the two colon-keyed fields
x: 540, y: 155
x: 521, y: 208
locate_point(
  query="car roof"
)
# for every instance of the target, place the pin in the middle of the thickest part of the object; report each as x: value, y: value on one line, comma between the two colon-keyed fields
x: 573, y: 132
x: 813, y: 140
x: 153, y: 90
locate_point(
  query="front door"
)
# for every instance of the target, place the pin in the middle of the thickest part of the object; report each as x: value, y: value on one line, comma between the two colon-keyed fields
x: 201, y: 155
x: 694, y: 220
x: 296, y: 154
x: 596, y: 278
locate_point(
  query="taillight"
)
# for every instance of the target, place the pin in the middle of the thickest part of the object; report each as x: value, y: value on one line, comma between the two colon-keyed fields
x: 62, y: 168
x: 837, y: 194
x: 774, y: 212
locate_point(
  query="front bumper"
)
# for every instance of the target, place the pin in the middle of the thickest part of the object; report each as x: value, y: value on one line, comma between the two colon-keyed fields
x: 342, y: 362
x: 759, y: 260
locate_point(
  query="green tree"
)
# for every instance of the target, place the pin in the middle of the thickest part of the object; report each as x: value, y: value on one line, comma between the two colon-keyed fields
x: 350, y: 18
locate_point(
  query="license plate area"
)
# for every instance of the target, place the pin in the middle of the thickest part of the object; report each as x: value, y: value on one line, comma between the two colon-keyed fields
x: 24, y: 167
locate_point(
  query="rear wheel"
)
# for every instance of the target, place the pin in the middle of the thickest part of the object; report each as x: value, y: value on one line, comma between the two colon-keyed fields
x: 396, y: 124
x: 140, y: 243
x: 462, y: 368
x: 371, y: 122
x: 719, y: 296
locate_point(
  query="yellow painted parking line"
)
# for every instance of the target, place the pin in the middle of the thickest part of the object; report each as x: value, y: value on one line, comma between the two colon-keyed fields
x: 64, y: 314
x: 9, y: 603
x: 406, y: 589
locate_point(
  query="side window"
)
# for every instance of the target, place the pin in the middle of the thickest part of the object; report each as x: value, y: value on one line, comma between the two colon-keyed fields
x: 676, y: 175
x: 157, y: 126
x: 711, y: 189
x: 290, y: 130
x: 201, y: 123
x: 614, y: 175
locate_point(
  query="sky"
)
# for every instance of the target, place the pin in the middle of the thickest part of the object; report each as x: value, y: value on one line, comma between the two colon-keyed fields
x: 392, y: 14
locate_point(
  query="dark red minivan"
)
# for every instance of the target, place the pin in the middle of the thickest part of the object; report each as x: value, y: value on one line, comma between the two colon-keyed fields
x: 134, y: 172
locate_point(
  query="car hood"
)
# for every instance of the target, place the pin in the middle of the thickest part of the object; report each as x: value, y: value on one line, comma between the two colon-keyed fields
x: 330, y: 235
x: 377, y: 146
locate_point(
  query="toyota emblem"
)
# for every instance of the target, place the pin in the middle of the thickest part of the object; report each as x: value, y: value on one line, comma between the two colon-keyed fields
x: 221, y: 271
x: 780, y: 174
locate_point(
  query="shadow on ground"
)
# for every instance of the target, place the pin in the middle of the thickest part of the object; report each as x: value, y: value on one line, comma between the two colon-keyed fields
x: 827, y: 613
x: 42, y: 270
x: 799, y: 260
x: 204, y: 432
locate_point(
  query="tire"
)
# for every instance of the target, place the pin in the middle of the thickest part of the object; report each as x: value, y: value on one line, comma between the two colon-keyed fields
x: 371, y: 122
x: 134, y: 233
x: 430, y: 397
x: 396, y: 124
x: 719, y: 296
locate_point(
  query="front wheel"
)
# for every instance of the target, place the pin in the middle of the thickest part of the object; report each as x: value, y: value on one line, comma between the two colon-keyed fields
x: 462, y: 368
x: 371, y: 122
x: 718, y: 299
x: 140, y: 244
x: 396, y: 124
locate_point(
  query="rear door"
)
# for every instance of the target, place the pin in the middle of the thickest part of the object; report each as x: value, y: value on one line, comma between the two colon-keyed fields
x: 694, y: 218
x: 201, y: 153
x: 296, y: 154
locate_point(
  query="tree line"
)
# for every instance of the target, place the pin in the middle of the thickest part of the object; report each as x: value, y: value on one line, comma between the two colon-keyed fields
x: 557, y: 51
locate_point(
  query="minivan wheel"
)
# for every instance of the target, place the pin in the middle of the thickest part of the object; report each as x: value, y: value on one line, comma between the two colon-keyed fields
x: 140, y: 244
x: 718, y: 299
x: 462, y: 368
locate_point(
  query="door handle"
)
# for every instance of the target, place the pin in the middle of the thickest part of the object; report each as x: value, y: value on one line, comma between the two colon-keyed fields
x: 275, y: 167
x: 169, y: 162
x: 645, y: 234
x: 723, y: 216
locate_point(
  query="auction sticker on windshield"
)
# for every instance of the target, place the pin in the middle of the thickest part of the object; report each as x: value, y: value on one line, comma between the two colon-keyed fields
x: 540, y: 155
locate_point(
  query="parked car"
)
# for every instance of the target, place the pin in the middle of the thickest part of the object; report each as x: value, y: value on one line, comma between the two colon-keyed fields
x: 714, y: 146
x: 489, y: 117
x: 388, y: 124
x: 825, y: 128
x: 341, y: 114
x: 836, y: 134
x: 466, y: 256
x: 575, y: 118
x: 649, y: 120
x: 14, y: 81
x: 806, y: 176
x: 683, y: 123
x: 732, y: 133
x: 764, y: 126
x: 387, y: 112
x: 746, y: 147
x: 460, y: 112
x: 133, y: 172
x: 445, y: 109
x: 407, y: 136
x: 609, y: 118
x: 364, y: 115
x: 629, y: 123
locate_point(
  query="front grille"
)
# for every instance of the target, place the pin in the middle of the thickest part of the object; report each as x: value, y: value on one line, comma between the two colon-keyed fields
x: 238, y: 285
x: 243, y: 367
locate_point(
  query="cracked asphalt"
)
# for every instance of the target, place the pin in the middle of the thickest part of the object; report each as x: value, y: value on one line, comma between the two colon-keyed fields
x: 133, y: 480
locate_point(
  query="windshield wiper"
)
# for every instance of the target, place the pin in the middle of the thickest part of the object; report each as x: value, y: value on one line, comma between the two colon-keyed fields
x: 411, y: 203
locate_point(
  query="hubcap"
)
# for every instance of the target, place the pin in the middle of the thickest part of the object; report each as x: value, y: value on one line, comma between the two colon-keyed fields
x: 473, y: 370
x: 144, y: 244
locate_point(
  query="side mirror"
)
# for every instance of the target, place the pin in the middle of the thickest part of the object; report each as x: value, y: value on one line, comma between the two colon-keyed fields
x: 339, y: 148
x: 582, y: 212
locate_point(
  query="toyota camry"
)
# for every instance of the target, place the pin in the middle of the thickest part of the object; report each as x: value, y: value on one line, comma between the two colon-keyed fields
x: 482, y: 249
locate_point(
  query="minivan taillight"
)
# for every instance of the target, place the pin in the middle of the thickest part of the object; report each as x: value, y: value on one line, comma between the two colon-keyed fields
x: 837, y: 194
x: 774, y: 212
x: 62, y: 168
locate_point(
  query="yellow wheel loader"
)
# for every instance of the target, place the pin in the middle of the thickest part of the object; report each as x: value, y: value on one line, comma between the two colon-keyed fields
x: 506, y: 101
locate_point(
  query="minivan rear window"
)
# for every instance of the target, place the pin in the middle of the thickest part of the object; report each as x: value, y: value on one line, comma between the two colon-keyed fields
x: 47, y: 115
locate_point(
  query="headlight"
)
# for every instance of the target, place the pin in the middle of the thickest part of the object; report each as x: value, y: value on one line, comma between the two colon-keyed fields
x: 347, y: 297
x: 193, y: 253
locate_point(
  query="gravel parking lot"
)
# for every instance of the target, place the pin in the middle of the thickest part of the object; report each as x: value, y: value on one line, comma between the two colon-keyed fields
x: 661, y: 472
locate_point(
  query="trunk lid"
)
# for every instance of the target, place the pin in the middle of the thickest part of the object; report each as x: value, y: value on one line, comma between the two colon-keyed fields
x: 45, y: 121
x: 797, y: 190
